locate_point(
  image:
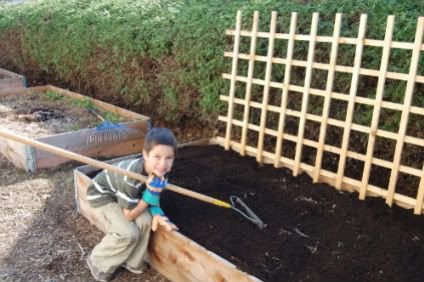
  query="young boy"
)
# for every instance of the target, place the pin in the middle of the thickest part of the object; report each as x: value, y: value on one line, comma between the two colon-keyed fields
x: 130, y: 208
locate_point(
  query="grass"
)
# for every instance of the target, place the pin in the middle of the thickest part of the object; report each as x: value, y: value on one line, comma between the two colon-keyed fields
x: 52, y: 96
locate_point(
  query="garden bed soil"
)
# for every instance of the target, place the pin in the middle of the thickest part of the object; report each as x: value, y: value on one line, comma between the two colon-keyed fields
x: 41, y: 114
x: 313, y: 233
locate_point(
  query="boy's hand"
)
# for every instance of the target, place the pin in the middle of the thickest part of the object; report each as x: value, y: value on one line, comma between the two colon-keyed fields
x: 164, y: 221
x: 156, y: 184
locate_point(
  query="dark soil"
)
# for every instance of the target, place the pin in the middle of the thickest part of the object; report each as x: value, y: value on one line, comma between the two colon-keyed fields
x: 313, y: 233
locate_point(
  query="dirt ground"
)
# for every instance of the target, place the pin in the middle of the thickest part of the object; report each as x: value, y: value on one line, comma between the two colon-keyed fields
x: 313, y: 233
x: 42, y: 237
x: 41, y: 114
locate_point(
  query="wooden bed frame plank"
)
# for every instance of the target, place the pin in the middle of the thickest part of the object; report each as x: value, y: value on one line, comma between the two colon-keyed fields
x: 14, y: 152
x: 12, y: 80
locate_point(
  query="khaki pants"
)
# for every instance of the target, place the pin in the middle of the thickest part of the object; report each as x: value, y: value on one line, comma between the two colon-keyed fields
x: 125, y: 241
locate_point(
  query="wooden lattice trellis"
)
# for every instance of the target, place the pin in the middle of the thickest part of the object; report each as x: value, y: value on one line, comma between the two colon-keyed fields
x: 338, y: 178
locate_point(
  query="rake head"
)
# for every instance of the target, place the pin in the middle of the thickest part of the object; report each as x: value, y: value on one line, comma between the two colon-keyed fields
x: 246, y: 212
x: 109, y: 132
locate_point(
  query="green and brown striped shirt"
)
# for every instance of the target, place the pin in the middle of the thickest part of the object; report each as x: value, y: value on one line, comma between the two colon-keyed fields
x: 109, y: 187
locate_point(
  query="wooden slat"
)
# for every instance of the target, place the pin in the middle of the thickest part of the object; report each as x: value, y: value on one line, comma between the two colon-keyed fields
x: 233, y: 79
x: 265, y: 97
x: 14, y: 152
x: 334, y: 95
x: 420, y: 195
x: 11, y: 83
x: 11, y: 80
x: 335, y: 122
x: 405, y: 112
x: 328, y: 39
x: 323, y: 66
x: 327, y: 99
x: 249, y: 81
x: 285, y: 92
x: 351, y: 103
x: 121, y: 148
x: 305, y: 98
x: 377, y: 106
x: 179, y: 258
x: 10, y: 74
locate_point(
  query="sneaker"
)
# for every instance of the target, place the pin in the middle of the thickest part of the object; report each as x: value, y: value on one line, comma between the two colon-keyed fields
x: 97, y: 274
x: 138, y: 270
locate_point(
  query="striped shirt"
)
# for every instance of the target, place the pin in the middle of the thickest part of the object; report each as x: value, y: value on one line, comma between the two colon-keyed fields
x: 109, y: 187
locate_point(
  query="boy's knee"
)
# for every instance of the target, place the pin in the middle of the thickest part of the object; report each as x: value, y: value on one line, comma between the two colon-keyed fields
x: 144, y: 221
x: 130, y: 235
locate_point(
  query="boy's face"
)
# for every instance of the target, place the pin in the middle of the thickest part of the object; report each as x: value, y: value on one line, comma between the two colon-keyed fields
x: 159, y: 160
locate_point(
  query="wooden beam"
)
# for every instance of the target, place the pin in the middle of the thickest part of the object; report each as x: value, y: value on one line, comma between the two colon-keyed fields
x: 377, y: 107
x: 406, y: 109
x: 249, y: 81
x: 351, y: 103
x: 327, y: 98
x: 285, y: 92
x: 233, y: 78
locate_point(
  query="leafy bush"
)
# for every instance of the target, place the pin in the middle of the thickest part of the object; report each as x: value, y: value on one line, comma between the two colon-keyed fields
x: 165, y: 58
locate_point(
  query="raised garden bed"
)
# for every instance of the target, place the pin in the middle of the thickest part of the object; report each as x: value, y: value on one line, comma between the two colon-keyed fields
x: 172, y: 254
x: 11, y: 80
x: 313, y: 233
x: 61, y: 118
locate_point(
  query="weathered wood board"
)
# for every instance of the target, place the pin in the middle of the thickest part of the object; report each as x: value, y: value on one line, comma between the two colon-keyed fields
x: 31, y: 159
x: 11, y: 80
x: 172, y: 254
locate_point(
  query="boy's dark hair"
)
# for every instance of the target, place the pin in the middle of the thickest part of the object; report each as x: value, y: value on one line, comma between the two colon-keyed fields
x: 159, y: 136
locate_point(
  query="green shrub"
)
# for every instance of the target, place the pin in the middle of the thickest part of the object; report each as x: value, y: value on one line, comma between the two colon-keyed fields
x: 165, y: 58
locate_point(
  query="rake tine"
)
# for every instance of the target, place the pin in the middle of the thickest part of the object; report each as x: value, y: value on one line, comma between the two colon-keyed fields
x: 248, y: 213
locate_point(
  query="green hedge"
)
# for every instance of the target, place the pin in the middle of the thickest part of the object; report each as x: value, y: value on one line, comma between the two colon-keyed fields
x: 165, y: 58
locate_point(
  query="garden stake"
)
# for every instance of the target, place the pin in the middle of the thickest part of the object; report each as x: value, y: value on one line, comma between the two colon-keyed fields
x: 108, y: 131
x: 248, y: 213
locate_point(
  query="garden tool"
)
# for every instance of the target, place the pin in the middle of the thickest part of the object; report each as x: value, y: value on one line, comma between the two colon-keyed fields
x: 247, y: 213
x: 109, y: 131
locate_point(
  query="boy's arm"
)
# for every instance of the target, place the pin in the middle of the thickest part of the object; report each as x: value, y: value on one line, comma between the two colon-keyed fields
x: 132, y: 214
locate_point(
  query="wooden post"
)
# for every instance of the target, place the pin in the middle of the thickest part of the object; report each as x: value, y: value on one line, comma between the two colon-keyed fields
x: 377, y: 106
x: 233, y: 81
x: 327, y: 98
x: 285, y: 93
x: 420, y: 195
x: 405, y: 111
x: 266, y: 86
x: 351, y: 103
x: 305, y: 100
x: 249, y: 82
